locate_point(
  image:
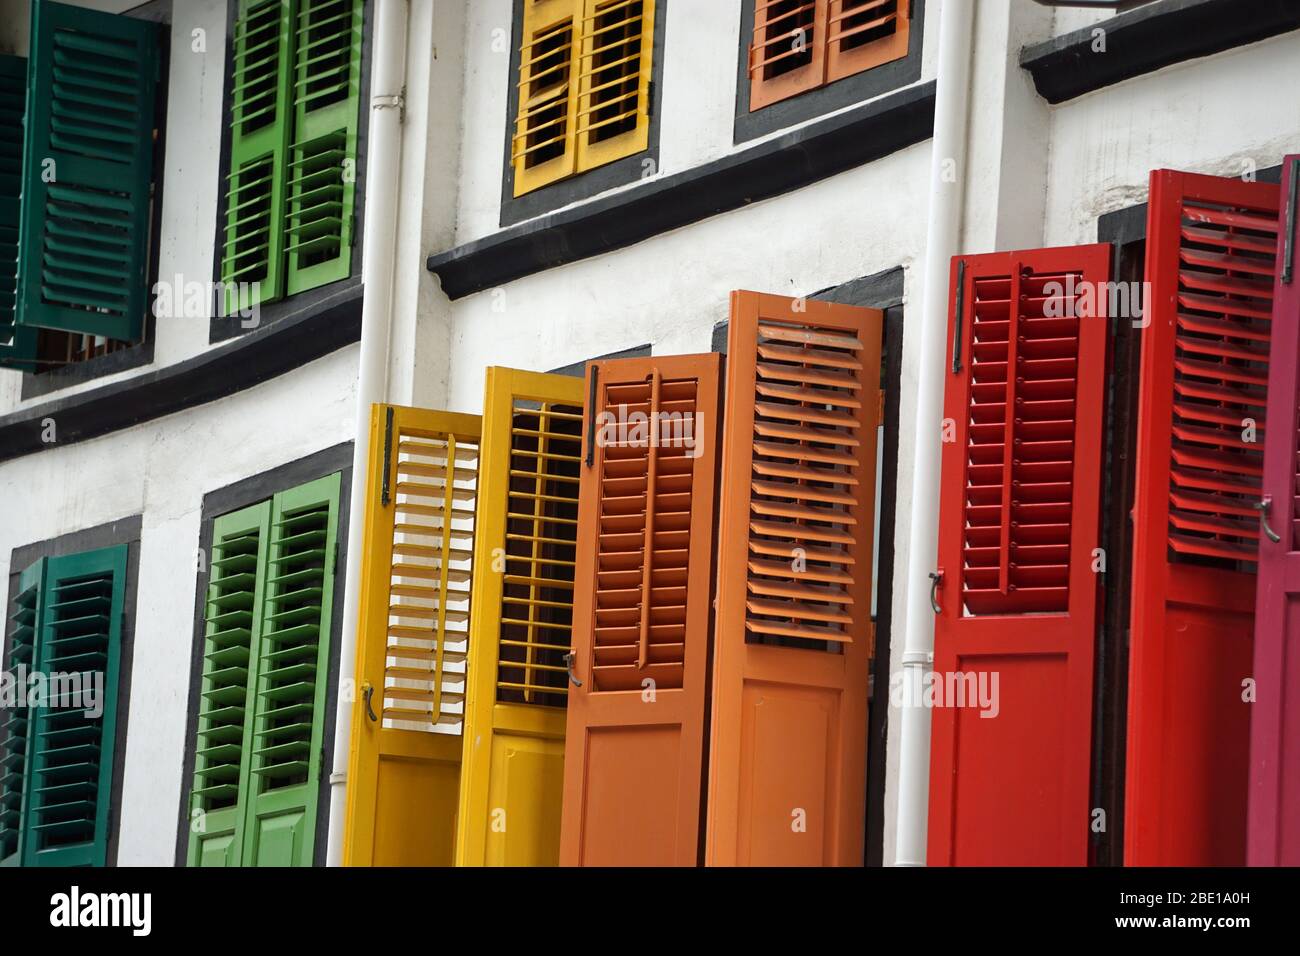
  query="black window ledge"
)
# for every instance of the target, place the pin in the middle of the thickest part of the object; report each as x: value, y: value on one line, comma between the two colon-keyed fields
x: 322, y: 327
x: 798, y: 158
x: 1149, y: 38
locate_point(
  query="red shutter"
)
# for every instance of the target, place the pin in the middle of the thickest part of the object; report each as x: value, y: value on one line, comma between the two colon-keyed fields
x: 1273, y: 827
x: 642, y: 605
x: 1211, y: 249
x: 787, y: 759
x: 1019, y: 519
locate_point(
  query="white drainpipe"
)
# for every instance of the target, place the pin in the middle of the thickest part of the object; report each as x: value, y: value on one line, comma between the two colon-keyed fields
x: 384, y: 146
x: 943, y: 235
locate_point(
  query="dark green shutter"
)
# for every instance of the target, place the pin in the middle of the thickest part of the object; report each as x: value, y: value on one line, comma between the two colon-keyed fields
x: 84, y: 234
x: 235, y: 591
x: 17, y: 345
x: 71, y: 767
x: 260, y: 116
x: 15, y: 722
x: 326, y: 88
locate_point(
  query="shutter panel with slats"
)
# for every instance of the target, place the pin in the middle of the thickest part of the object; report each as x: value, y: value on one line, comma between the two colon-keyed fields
x: 520, y: 621
x: 236, y: 590
x: 614, y: 72
x: 544, y: 148
x: 261, y: 112
x: 788, y: 53
x: 322, y: 157
x: 1211, y: 254
x: 17, y: 343
x: 71, y: 766
x: 87, y: 168
x: 861, y: 34
x: 16, y: 721
x: 1274, y: 800
x: 290, y: 690
x: 1019, y: 519
x: 787, y: 762
x: 412, y: 642
x: 642, y: 605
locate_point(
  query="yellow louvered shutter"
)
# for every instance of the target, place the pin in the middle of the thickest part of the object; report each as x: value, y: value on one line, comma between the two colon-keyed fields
x: 413, y: 631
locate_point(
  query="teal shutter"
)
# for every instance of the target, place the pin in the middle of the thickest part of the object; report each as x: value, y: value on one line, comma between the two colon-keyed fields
x: 71, y: 767
x: 15, y: 722
x: 87, y: 167
x: 17, y: 344
x: 232, y: 624
x: 252, y: 259
x: 322, y: 173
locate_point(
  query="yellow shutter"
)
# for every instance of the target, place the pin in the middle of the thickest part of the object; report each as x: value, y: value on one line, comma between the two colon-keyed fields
x: 520, y: 620
x: 543, y: 145
x: 614, y: 72
x: 413, y: 630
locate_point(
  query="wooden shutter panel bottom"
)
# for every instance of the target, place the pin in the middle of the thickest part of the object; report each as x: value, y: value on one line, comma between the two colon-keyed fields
x: 642, y: 604
x: 1019, y: 518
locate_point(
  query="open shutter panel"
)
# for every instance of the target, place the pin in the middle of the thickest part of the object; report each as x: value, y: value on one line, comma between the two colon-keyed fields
x: 861, y: 34
x: 520, y: 622
x: 544, y: 147
x: 292, y: 661
x: 787, y: 766
x: 642, y: 608
x: 16, y: 722
x: 788, y: 53
x: 71, y: 768
x: 87, y: 168
x: 252, y: 256
x: 413, y: 633
x: 17, y: 343
x: 1019, y: 519
x: 322, y: 158
x: 1211, y: 255
x: 614, y: 72
x: 236, y: 589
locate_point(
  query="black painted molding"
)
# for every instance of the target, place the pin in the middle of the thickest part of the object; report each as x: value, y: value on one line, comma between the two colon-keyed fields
x: 1149, y: 38
x: 294, y: 340
x: 776, y: 166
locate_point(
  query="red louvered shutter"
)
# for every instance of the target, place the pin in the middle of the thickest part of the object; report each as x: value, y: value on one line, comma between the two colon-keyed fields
x: 634, y: 746
x: 1211, y: 252
x: 1019, y: 522
x: 793, y: 633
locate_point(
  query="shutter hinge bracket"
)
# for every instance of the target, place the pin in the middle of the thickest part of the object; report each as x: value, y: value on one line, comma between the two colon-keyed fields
x: 388, y: 454
x: 1288, y: 238
x: 880, y: 407
x: 352, y: 229
x: 650, y: 100
x: 390, y: 101
x: 959, y: 308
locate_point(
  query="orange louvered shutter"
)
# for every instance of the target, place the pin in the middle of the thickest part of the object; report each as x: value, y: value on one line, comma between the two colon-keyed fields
x: 788, y: 53
x: 787, y: 762
x: 641, y: 615
x: 861, y: 34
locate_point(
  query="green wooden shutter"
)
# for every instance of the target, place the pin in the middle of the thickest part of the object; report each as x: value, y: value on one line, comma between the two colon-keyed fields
x: 322, y: 180
x: 260, y: 115
x: 293, y: 657
x: 87, y: 167
x: 15, y: 722
x: 236, y: 586
x: 17, y: 343
x: 71, y: 768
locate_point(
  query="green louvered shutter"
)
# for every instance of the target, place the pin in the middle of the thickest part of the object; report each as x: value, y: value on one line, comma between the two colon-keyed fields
x: 236, y: 584
x: 15, y: 722
x: 293, y: 656
x: 87, y: 167
x: 260, y: 115
x: 70, y: 772
x: 17, y: 344
x: 322, y: 169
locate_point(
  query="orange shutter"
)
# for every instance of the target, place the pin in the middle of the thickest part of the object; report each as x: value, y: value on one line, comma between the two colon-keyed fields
x: 635, y: 736
x: 787, y: 762
x: 788, y: 53
x: 861, y: 34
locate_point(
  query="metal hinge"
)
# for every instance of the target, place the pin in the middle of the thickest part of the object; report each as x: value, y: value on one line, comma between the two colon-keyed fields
x: 880, y: 407
x: 352, y: 229
x: 388, y: 454
x: 650, y: 99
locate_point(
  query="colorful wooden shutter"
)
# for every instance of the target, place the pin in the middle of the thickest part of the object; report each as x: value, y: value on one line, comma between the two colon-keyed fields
x: 87, y: 169
x: 22, y: 658
x: 788, y: 53
x: 641, y: 615
x: 1211, y: 252
x: 520, y: 620
x: 787, y: 763
x: 544, y: 147
x: 1273, y: 827
x: 261, y: 112
x: 614, y: 75
x: 17, y: 343
x: 1019, y: 521
x: 232, y: 632
x: 322, y: 158
x: 412, y: 641
x: 70, y: 772
x: 861, y: 34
